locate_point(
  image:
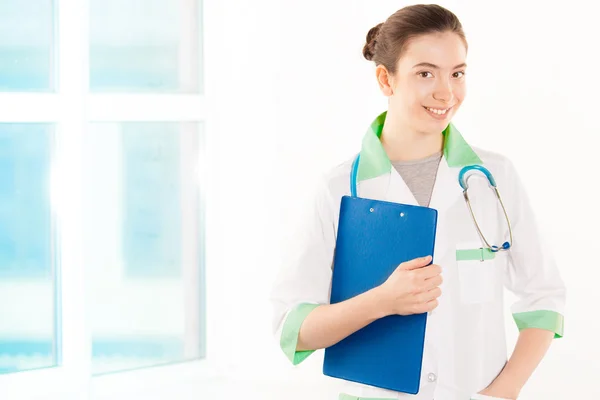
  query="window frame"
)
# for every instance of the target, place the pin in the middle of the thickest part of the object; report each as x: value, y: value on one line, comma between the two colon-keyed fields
x: 71, y: 107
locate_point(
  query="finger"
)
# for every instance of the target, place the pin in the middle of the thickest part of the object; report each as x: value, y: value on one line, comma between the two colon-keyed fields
x: 426, y: 307
x: 432, y: 305
x: 428, y: 284
x: 429, y: 271
x: 430, y: 295
x: 433, y: 282
x: 416, y: 263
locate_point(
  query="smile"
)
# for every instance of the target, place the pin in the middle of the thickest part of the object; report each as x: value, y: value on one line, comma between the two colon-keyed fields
x: 438, y: 111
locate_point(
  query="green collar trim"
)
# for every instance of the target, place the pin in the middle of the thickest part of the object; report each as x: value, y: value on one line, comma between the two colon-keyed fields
x: 375, y: 162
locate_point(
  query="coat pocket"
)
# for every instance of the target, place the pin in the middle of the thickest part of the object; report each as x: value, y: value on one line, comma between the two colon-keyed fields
x: 478, y: 274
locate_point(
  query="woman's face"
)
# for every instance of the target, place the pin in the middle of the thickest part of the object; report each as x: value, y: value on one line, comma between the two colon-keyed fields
x: 429, y: 84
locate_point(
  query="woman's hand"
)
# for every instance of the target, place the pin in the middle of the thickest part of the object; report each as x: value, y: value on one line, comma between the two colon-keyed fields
x: 499, y: 393
x: 413, y: 288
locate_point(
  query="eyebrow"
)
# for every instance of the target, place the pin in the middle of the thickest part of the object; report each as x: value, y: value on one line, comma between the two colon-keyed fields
x: 433, y: 66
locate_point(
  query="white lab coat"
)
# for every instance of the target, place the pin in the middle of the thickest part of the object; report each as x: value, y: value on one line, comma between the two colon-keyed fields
x: 465, y: 345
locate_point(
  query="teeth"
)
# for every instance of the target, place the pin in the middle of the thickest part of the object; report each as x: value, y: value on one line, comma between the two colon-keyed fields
x: 436, y: 111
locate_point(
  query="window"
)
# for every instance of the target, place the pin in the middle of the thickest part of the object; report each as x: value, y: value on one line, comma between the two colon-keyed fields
x: 102, y: 219
x: 143, y: 244
x: 27, y: 46
x: 28, y: 259
x: 144, y: 46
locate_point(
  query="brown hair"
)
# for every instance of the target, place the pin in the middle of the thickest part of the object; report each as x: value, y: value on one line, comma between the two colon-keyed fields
x: 387, y: 41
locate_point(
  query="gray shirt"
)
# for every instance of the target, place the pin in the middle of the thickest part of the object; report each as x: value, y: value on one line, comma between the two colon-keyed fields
x: 419, y: 176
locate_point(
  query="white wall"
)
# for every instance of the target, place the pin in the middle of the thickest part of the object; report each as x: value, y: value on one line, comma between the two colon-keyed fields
x: 293, y: 97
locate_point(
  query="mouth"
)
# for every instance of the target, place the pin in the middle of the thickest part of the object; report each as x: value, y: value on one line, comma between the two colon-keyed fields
x: 438, y: 113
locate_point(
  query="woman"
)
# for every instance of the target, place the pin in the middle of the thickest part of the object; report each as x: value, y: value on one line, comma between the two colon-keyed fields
x: 412, y: 154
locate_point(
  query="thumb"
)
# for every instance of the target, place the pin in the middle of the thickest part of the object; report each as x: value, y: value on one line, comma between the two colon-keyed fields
x: 416, y: 263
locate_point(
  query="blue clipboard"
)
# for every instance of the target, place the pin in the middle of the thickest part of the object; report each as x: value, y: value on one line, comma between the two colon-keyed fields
x: 374, y: 238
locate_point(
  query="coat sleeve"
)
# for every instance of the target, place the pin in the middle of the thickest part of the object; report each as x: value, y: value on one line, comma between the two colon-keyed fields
x: 304, y: 281
x: 532, y: 274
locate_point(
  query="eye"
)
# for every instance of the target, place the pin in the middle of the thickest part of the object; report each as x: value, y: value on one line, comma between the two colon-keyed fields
x: 426, y: 72
x: 459, y: 72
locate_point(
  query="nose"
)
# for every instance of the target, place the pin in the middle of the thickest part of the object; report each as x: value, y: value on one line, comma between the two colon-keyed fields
x: 443, y: 92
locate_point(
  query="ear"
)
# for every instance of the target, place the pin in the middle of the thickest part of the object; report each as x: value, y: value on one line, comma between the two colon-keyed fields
x: 385, y: 80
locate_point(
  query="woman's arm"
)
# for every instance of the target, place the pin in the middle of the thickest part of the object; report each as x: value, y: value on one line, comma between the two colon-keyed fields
x: 531, y: 347
x: 330, y: 323
x: 413, y: 288
x: 533, y: 276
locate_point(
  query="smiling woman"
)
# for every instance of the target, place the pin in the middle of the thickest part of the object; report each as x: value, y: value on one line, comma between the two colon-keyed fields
x: 426, y: 85
x: 412, y: 154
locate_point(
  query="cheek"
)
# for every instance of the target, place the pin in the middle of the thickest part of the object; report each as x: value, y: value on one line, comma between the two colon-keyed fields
x: 423, y: 90
x: 460, y: 91
x: 414, y: 95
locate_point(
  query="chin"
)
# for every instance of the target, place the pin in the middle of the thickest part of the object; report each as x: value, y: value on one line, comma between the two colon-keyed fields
x: 437, y: 126
x: 429, y: 129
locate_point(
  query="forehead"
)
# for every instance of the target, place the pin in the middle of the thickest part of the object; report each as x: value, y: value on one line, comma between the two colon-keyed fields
x: 443, y: 49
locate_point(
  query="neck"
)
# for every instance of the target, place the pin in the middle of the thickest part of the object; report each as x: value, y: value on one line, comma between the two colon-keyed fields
x: 401, y: 143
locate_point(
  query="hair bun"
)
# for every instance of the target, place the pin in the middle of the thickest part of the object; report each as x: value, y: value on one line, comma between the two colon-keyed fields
x: 369, y: 48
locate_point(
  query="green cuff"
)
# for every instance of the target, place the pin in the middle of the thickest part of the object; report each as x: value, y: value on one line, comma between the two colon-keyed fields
x: 291, y: 329
x: 542, y: 319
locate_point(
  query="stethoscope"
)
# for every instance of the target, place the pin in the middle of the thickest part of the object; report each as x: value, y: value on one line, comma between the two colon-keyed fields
x: 463, y: 181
